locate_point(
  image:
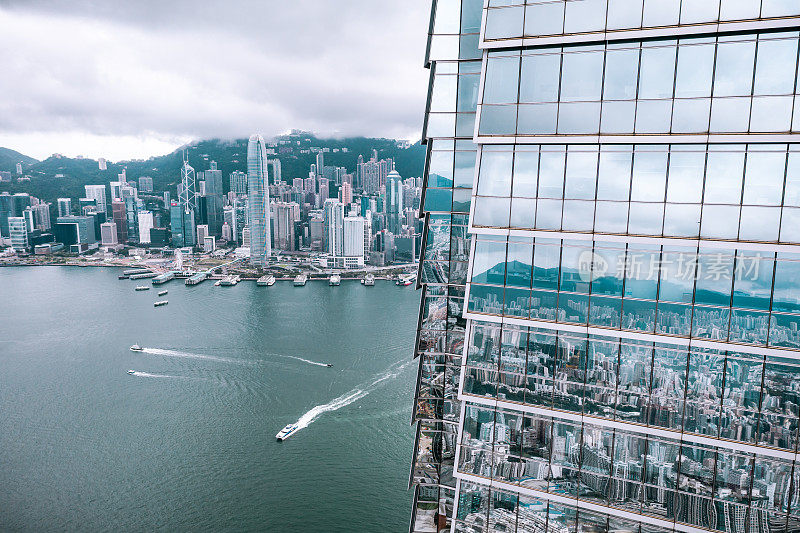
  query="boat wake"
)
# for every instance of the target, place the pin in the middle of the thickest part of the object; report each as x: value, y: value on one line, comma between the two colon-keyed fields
x: 158, y: 376
x: 352, y: 396
x: 187, y: 355
x: 304, y: 360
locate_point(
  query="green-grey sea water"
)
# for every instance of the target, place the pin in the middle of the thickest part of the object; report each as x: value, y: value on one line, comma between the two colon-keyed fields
x: 187, y: 443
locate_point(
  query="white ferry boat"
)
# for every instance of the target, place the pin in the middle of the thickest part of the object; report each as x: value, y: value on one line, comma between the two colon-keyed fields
x: 300, y: 281
x: 230, y: 281
x: 335, y: 280
x: 142, y: 288
x: 159, y: 304
x: 162, y: 293
x: 266, y: 281
x: 369, y: 280
x: 286, y: 432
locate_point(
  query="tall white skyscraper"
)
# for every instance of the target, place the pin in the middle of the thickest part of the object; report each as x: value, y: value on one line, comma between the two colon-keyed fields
x: 145, y: 225
x: 98, y: 193
x: 258, y: 201
x: 333, y: 227
x: 353, y: 237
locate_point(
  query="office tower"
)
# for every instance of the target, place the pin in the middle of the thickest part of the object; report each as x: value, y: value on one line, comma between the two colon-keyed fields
x: 27, y: 214
x: 316, y: 233
x: 119, y: 218
x: 209, y: 244
x: 64, y: 207
x: 102, y: 164
x: 166, y: 200
x: 213, y: 195
x: 320, y: 163
x: 274, y: 170
x: 75, y: 230
x: 41, y: 216
x: 131, y: 216
x: 455, y: 61
x: 187, y: 188
x: 202, y: 233
x: 333, y: 227
x: 18, y: 232
x: 394, y: 201
x: 227, y: 234
x: 286, y: 214
x: 20, y: 201
x: 632, y: 333
x: 367, y: 234
x: 238, y: 182
x: 97, y: 193
x: 258, y: 201
x: 6, y: 211
x: 346, y: 193
x: 145, y: 184
x: 324, y: 191
x: 145, y: 225
x: 182, y: 226
x: 19, y: 168
x: 108, y: 234
x: 353, y: 237
x: 116, y: 189
x: 246, y: 237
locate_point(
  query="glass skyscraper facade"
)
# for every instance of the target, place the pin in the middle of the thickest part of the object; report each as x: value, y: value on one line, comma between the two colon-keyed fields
x: 258, y: 201
x: 628, y: 357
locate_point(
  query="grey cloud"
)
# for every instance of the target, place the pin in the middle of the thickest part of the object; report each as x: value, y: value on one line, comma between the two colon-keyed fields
x: 213, y: 69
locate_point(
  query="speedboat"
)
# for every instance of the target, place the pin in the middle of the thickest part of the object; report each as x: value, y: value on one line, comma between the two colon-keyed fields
x: 136, y: 348
x: 131, y: 372
x: 329, y: 365
x: 286, y: 432
x: 162, y: 293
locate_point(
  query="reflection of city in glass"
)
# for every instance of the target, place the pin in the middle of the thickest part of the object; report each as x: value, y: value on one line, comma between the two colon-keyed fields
x: 632, y: 350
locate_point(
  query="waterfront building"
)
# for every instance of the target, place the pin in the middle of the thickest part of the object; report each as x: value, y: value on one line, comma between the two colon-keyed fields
x: 632, y: 346
x: 6, y: 211
x: 64, y: 207
x: 119, y: 218
x: 145, y: 184
x: 108, y: 234
x: 145, y: 223
x: 333, y: 227
x: 98, y: 194
x: 18, y: 231
x: 258, y: 201
x: 209, y: 244
x: 73, y: 229
x: 353, y: 235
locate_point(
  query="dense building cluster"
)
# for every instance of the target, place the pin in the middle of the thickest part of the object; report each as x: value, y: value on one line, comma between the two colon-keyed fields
x: 345, y: 218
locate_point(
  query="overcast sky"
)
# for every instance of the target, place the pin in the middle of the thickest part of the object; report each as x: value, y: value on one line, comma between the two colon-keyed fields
x: 133, y: 78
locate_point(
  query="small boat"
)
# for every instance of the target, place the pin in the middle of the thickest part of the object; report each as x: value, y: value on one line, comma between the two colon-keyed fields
x: 300, y: 281
x: 136, y: 348
x: 329, y: 365
x: 369, y: 280
x: 159, y: 304
x: 162, y: 293
x: 142, y: 288
x: 405, y: 280
x: 131, y: 372
x: 335, y: 280
x: 122, y: 276
x: 218, y: 283
x: 286, y: 432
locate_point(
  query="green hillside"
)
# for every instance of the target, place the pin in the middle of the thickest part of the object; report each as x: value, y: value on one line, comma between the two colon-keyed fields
x: 65, y: 177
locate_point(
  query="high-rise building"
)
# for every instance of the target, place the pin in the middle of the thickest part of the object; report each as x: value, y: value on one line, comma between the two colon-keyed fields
x: 202, y: 233
x: 19, y: 168
x: 258, y: 201
x: 455, y: 60
x: 41, y: 216
x: 394, y: 201
x: 213, y: 195
x: 286, y: 214
x: 238, y: 182
x: 353, y: 235
x: 6, y: 211
x: 320, y: 163
x: 182, y: 226
x: 274, y: 170
x: 120, y: 219
x: 346, y: 193
x: 333, y: 227
x: 145, y: 184
x: 632, y: 320
x: 102, y: 164
x: 98, y: 194
x: 108, y: 234
x: 18, y: 231
x: 64, y: 207
x: 145, y: 225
